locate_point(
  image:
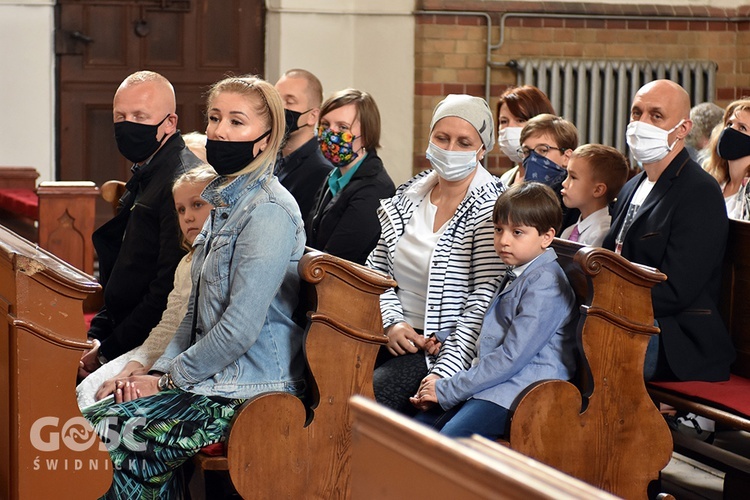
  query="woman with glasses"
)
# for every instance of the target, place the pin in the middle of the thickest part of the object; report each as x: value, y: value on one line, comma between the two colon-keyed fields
x: 344, y: 221
x: 547, y: 142
x: 516, y: 106
x: 437, y: 242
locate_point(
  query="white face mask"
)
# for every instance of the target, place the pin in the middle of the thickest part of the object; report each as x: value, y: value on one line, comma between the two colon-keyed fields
x: 509, y: 140
x: 452, y: 165
x: 649, y: 143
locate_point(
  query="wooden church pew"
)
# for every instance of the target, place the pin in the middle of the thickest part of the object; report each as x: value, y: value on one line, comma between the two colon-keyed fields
x: 59, y: 216
x: 727, y: 403
x: 604, y: 430
x: 282, y: 447
x: 47, y: 449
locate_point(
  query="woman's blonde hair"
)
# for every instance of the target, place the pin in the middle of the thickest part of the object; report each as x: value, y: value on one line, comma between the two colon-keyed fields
x: 715, y: 165
x: 266, y: 102
x: 200, y: 175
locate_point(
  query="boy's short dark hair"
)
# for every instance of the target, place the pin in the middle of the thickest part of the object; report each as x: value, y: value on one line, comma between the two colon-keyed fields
x: 563, y: 131
x: 529, y: 204
x: 607, y: 164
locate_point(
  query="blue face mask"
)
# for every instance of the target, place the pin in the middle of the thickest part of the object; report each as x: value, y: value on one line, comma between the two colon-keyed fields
x: 541, y: 169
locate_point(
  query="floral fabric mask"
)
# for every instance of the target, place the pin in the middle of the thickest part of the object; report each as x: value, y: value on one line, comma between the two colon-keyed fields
x: 337, y: 147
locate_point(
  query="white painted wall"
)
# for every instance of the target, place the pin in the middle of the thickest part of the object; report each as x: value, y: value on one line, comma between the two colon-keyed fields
x: 27, y: 85
x: 365, y: 44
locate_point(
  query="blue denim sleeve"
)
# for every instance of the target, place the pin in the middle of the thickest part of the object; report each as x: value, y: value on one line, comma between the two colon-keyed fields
x: 258, y: 265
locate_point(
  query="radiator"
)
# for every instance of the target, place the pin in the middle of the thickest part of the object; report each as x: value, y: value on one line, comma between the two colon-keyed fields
x: 596, y: 95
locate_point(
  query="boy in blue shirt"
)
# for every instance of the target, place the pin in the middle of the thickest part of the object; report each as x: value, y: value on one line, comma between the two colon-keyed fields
x: 528, y: 330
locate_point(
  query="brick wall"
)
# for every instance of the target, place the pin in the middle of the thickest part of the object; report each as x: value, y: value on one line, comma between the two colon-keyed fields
x: 450, y: 49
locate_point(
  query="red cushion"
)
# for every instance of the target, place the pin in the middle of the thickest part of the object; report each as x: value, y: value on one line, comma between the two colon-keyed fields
x: 733, y: 394
x: 22, y: 202
x: 87, y: 317
x: 214, y: 450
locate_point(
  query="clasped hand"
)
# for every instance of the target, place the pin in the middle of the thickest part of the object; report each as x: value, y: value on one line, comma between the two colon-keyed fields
x: 109, y: 386
x: 137, y: 386
x: 426, y: 396
x: 403, y: 339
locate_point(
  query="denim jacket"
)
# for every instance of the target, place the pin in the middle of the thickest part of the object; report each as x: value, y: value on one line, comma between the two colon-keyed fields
x: 245, y: 267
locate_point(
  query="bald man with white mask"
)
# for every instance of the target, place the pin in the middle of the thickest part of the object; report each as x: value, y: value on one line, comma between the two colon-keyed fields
x: 139, y: 248
x: 672, y: 217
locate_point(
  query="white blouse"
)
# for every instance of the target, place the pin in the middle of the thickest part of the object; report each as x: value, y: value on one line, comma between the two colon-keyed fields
x: 411, y: 264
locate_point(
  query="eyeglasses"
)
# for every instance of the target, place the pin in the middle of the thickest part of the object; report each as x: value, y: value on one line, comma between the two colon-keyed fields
x: 540, y: 149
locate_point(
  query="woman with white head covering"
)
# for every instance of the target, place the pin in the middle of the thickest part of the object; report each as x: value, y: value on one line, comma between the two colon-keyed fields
x: 437, y: 242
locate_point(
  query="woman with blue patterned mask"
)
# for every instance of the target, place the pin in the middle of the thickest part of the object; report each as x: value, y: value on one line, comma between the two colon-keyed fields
x: 547, y: 142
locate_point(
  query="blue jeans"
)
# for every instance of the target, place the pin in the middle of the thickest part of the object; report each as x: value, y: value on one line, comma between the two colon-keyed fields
x: 655, y: 365
x: 475, y: 416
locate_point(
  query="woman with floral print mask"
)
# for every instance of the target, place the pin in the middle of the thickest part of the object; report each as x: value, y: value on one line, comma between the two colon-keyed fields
x: 344, y: 219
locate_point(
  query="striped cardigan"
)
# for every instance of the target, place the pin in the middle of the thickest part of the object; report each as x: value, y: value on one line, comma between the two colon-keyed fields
x: 464, y: 268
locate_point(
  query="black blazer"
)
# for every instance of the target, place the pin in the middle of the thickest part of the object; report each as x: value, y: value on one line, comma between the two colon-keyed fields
x: 681, y: 229
x: 302, y: 173
x: 347, y: 225
x: 138, y: 250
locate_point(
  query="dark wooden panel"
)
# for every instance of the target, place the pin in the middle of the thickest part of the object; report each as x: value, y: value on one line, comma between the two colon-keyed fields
x: 164, y: 46
x: 218, y: 38
x: 108, y: 27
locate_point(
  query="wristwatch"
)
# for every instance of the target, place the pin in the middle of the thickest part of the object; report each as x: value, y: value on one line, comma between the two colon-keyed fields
x: 165, y: 382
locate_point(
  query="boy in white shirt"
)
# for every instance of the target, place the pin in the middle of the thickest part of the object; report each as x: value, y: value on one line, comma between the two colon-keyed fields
x: 596, y: 173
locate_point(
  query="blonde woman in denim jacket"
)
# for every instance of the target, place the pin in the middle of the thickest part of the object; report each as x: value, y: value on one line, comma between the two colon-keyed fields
x: 243, y: 340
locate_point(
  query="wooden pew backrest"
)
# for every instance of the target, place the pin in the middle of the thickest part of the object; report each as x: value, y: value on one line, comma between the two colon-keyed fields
x: 59, y: 216
x: 282, y: 447
x: 735, y: 293
x: 47, y: 448
x: 607, y: 430
x: 18, y: 177
x: 111, y: 192
x: 394, y: 457
x: 66, y: 221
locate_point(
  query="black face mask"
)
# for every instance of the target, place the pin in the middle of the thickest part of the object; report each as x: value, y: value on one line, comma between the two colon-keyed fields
x: 292, y: 119
x: 137, y: 141
x: 733, y: 144
x: 229, y: 157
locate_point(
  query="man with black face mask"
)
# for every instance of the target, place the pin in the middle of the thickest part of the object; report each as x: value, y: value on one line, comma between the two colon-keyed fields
x: 672, y: 217
x: 302, y: 168
x: 139, y: 248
